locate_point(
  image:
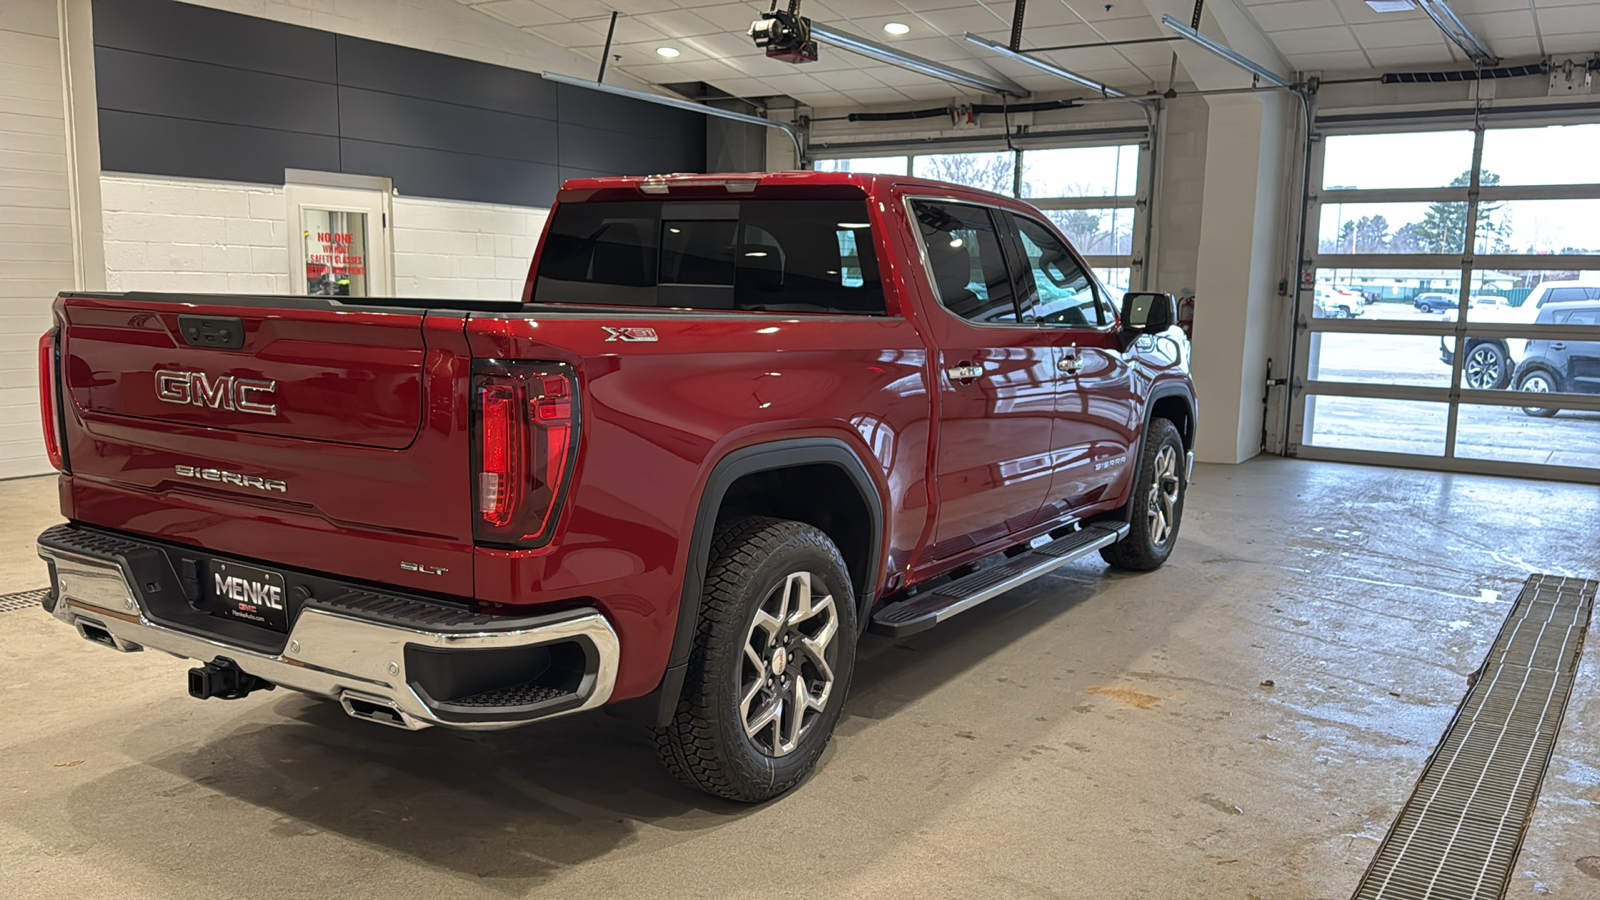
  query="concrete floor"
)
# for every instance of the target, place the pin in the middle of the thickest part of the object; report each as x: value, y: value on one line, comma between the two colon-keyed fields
x: 1088, y: 735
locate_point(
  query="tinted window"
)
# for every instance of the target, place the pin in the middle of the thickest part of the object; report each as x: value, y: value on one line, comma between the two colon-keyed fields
x: 969, y: 271
x: 774, y: 255
x: 1565, y: 295
x: 1586, y: 316
x: 1062, y: 292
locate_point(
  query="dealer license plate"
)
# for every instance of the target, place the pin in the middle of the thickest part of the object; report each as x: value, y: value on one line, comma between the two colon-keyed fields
x: 249, y: 594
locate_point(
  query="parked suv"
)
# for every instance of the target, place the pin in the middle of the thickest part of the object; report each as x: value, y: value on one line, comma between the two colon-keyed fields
x: 736, y: 421
x: 1490, y: 362
x: 1561, y: 366
x: 1432, y: 303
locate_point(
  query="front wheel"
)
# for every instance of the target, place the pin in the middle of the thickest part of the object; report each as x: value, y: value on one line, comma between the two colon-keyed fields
x: 772, y: 659
x: 1158, y: 494
x: 1537, y: 382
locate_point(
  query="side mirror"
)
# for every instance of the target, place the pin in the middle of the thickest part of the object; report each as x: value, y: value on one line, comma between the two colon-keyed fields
x: 1149, y: 312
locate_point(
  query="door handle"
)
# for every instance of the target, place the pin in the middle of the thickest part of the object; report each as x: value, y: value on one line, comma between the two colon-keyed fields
x: 964, y: 372
x: 1069, y: 365
x: 1558, y: 345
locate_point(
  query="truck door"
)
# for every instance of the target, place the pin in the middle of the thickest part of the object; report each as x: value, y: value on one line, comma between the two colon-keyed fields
x: 1096, y: 406
x: 996, y: 380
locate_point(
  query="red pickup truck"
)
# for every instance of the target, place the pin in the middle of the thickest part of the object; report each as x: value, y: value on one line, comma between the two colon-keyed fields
x: 734, y: 422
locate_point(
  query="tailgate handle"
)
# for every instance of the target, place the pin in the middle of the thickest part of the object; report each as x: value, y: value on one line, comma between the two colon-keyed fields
x: 213, y: 332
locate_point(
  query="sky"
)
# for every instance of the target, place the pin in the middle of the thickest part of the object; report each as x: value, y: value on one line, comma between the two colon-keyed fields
x: 1565, y: 154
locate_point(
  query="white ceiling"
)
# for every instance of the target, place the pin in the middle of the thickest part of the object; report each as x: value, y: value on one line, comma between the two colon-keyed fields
x: 1343, y: 36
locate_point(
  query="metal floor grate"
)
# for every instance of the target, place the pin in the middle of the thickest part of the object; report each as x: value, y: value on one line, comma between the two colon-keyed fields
x: 1458, y: 835
x: 22, y: 600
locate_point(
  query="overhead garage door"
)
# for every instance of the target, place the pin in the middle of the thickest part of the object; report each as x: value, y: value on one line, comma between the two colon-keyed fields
x: 1449, y: 305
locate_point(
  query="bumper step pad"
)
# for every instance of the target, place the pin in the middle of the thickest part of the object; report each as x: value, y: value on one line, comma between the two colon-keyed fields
x: 924, y: 611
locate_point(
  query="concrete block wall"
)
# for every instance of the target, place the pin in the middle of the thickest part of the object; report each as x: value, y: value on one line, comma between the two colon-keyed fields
x: 171, y: 234
x: 175, y: 234
x: 458, y: 250
x: 36, y: 245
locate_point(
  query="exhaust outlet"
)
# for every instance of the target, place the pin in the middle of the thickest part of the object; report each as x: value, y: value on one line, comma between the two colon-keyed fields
x: 99, y: 634
x: 379, y: 710
x: 223, y: 678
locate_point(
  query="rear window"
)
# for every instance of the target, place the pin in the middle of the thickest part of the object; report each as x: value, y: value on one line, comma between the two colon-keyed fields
x: 808, y: 256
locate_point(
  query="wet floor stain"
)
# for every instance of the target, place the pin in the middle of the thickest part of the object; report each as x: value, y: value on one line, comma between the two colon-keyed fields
x: 1220, y: 805
x: 1126, y: 695
x: 1590, y: 866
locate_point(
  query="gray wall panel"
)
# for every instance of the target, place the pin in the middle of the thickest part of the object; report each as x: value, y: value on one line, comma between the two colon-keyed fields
x: 393, y: 119
x: 191, y: 91
x: 457, y: 176
x: 159, y: 85
x: 624, y: 114
x: 417, y: 73
x: 182, y: 31
x: 598, y: 150
x: 156, y: 145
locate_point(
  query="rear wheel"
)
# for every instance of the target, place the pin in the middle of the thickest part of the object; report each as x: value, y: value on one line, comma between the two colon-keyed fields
x: 771, y: 663
x: 1537, y: 381
x: 1158, y: 494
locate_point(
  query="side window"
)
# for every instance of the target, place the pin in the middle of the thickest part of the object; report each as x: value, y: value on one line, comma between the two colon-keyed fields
x: 1565, y: 295
x: 1062, y: 293
x: 969, y: 271
x: 1587, y: 316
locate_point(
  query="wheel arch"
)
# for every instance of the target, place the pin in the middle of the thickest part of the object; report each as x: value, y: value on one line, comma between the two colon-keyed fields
x: 814, y: 475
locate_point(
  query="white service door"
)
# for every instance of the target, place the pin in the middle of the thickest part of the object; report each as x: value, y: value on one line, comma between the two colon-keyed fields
x: 339, y: 242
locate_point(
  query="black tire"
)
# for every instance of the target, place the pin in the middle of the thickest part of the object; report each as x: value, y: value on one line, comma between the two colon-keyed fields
x: 1141, y: 550
x: 707, y: 744
x: 1486, y: 367
x: 1344, y: 313
x: 1538, y: 381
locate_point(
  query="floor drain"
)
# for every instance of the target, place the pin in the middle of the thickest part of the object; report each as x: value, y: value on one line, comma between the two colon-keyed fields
x: 1458, y: 835
x: 22, y: 600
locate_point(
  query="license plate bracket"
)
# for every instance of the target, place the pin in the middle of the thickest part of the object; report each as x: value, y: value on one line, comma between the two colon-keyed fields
x: 248, y: 593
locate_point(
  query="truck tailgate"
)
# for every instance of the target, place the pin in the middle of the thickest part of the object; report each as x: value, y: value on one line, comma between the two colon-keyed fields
x: 218, y: 421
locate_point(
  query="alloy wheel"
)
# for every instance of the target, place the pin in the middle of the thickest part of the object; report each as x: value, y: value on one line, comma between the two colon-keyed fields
x: 1482, y: 368
x: 1536, y: 383
x: 787, y: 670
x: 1163, y: 504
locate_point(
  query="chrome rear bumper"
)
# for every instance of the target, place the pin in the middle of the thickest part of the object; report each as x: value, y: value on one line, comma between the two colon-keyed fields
x: 358, y: 660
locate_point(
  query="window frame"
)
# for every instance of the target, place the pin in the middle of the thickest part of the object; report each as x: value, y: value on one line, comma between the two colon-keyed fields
x: 1100, y: 291
x: 1006, y: 255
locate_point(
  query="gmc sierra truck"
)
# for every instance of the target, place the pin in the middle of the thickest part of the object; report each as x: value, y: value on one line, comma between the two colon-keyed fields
x: 734, y: 422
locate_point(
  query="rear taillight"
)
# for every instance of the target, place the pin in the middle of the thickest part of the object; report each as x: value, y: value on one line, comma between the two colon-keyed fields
x: 525, y: 437
x: 49, y: 402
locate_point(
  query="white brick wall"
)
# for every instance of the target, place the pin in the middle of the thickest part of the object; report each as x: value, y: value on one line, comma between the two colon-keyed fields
x: 170, y: 234
x: 458, y: 250
x: 36, y: 258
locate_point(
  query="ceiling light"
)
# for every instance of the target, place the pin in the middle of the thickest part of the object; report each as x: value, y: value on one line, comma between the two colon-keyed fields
x: 668, y: 52
x: 897, y: 28
x: 1391, y: 5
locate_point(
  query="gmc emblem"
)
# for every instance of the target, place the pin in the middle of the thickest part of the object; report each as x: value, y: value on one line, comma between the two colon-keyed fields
x: 221, y: 392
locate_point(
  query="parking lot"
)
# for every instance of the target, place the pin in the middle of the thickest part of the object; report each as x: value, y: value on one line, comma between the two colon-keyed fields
x: 1410, y: 426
